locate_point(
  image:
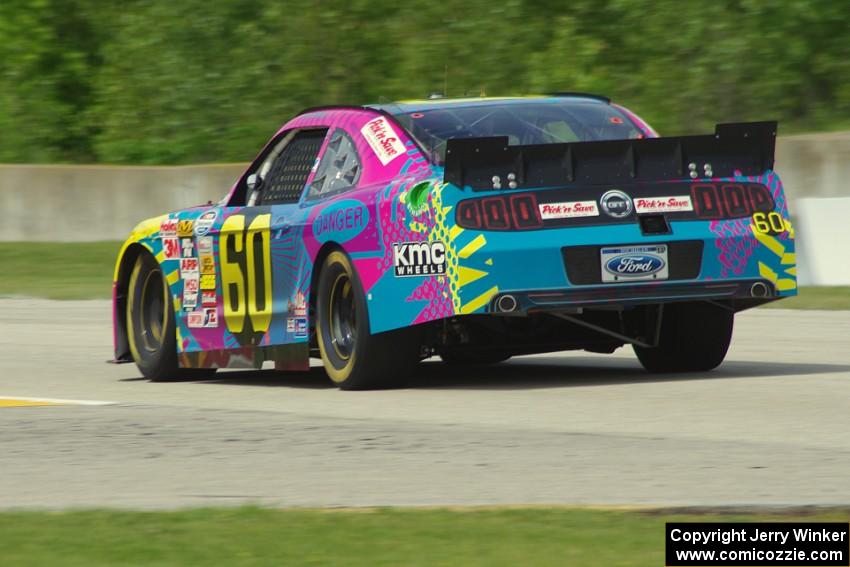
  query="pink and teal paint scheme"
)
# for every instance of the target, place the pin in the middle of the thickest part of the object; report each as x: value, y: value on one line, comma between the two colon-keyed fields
x: 242, y: 277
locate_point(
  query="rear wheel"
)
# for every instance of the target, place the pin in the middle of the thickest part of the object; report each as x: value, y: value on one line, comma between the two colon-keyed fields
x: 694, y: 338
x: 150, y: 324
x: 354, y: 358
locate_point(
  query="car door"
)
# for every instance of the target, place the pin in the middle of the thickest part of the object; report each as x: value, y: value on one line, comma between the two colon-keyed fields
x: 250, y: 259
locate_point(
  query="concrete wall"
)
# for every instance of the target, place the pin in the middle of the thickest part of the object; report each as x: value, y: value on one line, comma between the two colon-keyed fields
x: 86, y: 203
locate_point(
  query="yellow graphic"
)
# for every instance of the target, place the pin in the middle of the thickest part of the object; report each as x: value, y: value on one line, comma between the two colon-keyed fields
x: 240, y: 270
x: 785, y: 258
x: 770, y: 223
x: 208, y: 281
x: 185, y: 228
x: 457, y: 250
x: 207, y: 264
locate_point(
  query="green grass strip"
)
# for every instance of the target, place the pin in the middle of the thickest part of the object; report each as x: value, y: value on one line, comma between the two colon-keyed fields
x: 372, y: 537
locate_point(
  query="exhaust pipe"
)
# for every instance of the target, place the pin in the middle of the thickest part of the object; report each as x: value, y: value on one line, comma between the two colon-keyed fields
x: 506, y: 303
x: 759, y: 289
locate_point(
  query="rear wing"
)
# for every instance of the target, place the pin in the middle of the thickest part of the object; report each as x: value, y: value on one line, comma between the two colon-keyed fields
x: 744, y: 148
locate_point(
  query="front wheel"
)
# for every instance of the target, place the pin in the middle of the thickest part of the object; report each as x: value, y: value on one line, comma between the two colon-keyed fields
x: 694, y: 338
x: 151, y: 326
x: 353, y: 358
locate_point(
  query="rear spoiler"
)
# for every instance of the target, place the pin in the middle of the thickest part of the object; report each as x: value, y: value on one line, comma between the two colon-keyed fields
x: 745, y: 148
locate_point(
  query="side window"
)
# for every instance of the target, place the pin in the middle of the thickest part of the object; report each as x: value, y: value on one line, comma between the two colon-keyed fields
x: 286, y: 170
x: 339, y: 169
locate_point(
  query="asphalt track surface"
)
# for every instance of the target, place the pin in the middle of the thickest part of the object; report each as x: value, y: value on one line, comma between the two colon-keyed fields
x: 770, y: 427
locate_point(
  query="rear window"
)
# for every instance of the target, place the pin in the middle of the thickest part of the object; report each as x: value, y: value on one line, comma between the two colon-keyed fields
x: 523, y: 124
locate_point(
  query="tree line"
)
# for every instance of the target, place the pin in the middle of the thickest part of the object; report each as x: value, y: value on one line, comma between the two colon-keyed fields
x: 188, y: 81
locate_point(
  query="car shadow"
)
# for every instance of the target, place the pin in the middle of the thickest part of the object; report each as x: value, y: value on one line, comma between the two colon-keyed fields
x: 528, y: 373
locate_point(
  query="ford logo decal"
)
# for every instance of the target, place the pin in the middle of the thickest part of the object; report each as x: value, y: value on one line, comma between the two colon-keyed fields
x: 633, y: 265
x: 616, y: 204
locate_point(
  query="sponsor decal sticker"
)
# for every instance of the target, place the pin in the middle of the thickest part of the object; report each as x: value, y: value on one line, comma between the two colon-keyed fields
x: 630, y: 263
x: 188, y: 267
x: 567, y: 210
x: 195, y: 319
x: 208, y: 297
x: 208, y: 281
x: 187, y: 247
x: 184, y: 228
x: 210, y: 317
x: 298, y: 304
x: 171, y: 248
x: 419, y: 258
x: 205, y: 245
x: 191, y: 283
x: 168, y: 228
x: 190, y: 299
x: 672, y: 204
x: 205, y: 222
x: 207, y: 264
x: 301, y: 327
x: 290, y: 325
x: 616, y: 204
x: 341, y: 221
x: 382, y: 138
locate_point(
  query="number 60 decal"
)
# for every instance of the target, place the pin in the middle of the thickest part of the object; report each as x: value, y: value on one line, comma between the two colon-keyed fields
x: 770, y: 223
x: 246, y: 275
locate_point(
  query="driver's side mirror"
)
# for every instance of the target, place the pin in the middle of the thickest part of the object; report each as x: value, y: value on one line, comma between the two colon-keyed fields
x: 254, y: 182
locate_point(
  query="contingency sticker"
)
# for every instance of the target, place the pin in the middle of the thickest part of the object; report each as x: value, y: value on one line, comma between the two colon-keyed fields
x: 568, y: 210
x: 383, y: 139
x: 673, y: 204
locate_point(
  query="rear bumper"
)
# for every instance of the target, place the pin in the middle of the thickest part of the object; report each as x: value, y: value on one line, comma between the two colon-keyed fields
x: 749, y: 291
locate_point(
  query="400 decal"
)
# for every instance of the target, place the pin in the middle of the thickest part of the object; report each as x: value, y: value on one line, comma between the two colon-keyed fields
x: 246, y: 276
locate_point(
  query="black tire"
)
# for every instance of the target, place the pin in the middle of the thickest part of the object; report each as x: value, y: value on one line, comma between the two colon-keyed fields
x: 150, y: 325
x: 355, y: 359
x: 694, y: 338
x: 474, y: 357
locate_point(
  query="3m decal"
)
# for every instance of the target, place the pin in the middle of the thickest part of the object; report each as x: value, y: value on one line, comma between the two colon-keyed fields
x: 246, y: 276
x: 187, y: 247
x: 673, y: 204
x: 208, y: 281
x: 171, y: 248
x: 382, y: 138
x: 208, y: 297
x: 419, y: 258
x: 205, y: 245
x: 205, y: 222
x: 168, y: 228
x: 769, y: 223
x: 568, y: 210
x: 188, y: 266
x: 341, y: 221
x: 185, y: 228
x: 207, y: 264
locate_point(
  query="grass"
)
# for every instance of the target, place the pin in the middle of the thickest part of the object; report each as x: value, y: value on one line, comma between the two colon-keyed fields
x: 83, y: 270
x: 58, y: 270
x: 371, y: 537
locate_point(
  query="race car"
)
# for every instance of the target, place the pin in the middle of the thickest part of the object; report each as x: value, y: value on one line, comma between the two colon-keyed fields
x: 474, y: 229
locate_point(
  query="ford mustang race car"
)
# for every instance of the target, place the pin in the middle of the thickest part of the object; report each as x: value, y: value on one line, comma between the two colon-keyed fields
x: 473, y: 229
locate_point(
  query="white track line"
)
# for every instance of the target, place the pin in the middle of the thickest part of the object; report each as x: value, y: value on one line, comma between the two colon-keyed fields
x: 58, y: 401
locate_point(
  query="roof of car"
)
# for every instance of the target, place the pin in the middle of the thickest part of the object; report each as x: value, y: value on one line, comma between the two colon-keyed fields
x: 407, y: 106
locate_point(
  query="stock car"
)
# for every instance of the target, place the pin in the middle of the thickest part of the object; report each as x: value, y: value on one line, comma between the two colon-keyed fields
x: 474, y: 229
